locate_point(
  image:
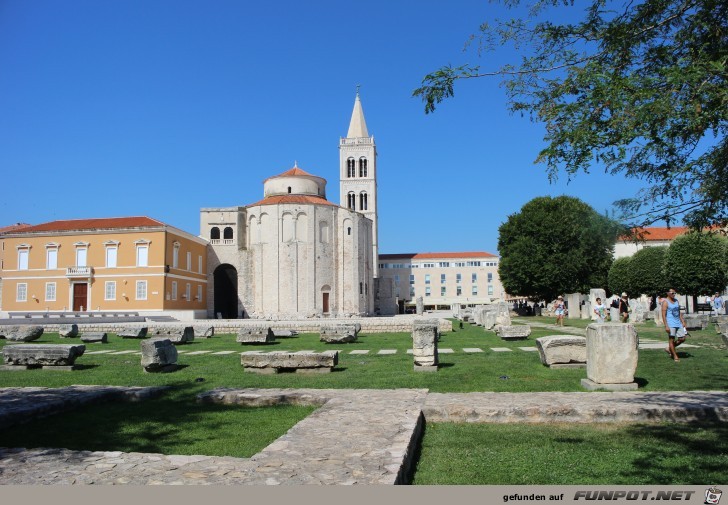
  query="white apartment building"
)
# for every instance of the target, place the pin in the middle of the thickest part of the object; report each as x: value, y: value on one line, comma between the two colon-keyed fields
x: 442, y: 279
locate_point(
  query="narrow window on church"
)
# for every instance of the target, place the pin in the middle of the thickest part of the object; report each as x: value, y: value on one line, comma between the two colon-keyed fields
x: 348, y: 231
x: 366, y: 289
x: 360, y: 288
x: 289, y: 189
x: 362, y: 167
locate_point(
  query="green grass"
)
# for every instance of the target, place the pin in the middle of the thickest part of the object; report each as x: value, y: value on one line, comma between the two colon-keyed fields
x: 700, y: 368
x: 173, y: 424
x: 558, y: 454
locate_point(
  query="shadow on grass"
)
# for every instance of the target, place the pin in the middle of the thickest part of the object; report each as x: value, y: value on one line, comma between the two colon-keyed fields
x: 172, y: 424
x: 705, y: 444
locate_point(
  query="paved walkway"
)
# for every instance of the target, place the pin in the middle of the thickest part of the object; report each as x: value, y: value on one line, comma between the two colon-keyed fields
x: 355, y: 437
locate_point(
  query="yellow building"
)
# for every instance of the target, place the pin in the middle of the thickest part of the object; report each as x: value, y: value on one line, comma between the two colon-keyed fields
x: 126, y: 264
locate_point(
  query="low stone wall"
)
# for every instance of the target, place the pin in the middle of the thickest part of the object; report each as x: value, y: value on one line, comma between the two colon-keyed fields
x: 397, y: 324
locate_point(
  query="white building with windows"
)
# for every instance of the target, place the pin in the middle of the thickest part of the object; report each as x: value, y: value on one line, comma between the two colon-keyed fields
x: 443, y: 279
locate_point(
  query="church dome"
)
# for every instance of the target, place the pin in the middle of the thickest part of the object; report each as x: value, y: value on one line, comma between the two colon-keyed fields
x: 294, y: 182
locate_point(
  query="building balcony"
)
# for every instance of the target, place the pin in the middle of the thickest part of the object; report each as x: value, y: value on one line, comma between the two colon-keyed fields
x: 224, y: 241
x: 79, y: 272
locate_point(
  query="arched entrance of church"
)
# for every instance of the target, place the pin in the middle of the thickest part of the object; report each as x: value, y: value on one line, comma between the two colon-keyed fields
x: 226, y: 291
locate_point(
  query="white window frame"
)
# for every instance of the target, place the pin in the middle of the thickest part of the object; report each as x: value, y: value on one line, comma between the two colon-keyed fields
x: 115, y: 256
x: 174, y: 290
x: 81, y: 253
x: 189, y: 261
x: 141, y: 290
x: 188, y: 292
x: 199, y: 292
x: 50, y: 292
x: 175, y: 255
x: 490, y: 290
x: 51, y: 249
x: 23, y: 253
x: 142, y: 247
x: 110, y: 290
x: 199, y: 264
x: 21, y: 292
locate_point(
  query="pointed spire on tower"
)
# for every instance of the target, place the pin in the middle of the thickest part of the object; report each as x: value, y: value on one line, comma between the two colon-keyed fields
x: 357, y: 126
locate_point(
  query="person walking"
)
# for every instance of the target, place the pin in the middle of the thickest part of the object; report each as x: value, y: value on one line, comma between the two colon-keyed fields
x: 600, y: 310
x: 559, y: 309
x: 717, y: 302
x: 674, y: 324
x: 624, y: 308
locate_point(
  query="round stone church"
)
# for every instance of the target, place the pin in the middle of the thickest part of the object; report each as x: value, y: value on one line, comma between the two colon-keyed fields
x: 294, y: 254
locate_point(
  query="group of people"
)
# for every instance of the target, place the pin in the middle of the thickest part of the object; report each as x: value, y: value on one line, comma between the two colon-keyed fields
x: 673, y: 319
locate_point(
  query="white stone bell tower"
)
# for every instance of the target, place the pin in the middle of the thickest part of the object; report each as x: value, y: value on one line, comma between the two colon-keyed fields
x: 358, y: 173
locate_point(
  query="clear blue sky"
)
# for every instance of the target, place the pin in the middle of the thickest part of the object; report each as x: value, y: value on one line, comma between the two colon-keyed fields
x: 162, y: 107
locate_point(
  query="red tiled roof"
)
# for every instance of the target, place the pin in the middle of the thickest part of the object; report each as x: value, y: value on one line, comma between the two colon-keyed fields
x: 14, y: 227
x: 109, y: 223
x: 441, y: 255
x: 293, y: 172
x: 274, y: 200
x: 658, y: 233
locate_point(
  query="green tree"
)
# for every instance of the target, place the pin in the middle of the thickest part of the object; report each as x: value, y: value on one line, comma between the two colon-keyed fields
x: 555, y: 246
x: 646, y: 273
x: 619, y: 276
x: 637, y: 88
x: 697, y: 263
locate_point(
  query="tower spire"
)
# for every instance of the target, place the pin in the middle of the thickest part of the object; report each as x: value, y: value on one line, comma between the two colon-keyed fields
x: 357, y: 125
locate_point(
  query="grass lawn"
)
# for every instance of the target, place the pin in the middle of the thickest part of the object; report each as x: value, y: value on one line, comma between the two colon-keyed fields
x: 699, y: 369
x: 500, y: 454
x: 451, y: 454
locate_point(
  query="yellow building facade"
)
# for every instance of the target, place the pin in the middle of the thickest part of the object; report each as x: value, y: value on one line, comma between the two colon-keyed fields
x: 129, y: 264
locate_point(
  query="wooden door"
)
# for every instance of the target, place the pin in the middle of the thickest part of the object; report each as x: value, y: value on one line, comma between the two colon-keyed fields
x: 80, y: 293
x: 326, y: 303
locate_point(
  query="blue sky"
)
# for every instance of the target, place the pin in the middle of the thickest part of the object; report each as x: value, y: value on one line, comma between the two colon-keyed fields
x: 159, y: 108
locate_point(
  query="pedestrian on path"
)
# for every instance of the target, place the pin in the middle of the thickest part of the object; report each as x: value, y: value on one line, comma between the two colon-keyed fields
x: 674, y: 324
x: 624, y: 308
x: 600, y: 310
x: 717, y: 302
x: 559, y: 310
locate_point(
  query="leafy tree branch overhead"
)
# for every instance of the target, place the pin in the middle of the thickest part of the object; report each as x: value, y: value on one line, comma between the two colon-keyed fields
x: 637, y: 88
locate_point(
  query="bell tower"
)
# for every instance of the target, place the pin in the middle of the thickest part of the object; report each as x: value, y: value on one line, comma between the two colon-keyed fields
x: 358, y: 173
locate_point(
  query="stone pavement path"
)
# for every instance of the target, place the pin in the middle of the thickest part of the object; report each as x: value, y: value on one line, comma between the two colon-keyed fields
x: 355, y: 437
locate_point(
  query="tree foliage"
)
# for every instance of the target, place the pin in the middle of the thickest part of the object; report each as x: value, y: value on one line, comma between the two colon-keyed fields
x: 697, y: 263
x: 639, y: 88
x: 646, y: 275
x: 619, y: 276
x: 555, y: 246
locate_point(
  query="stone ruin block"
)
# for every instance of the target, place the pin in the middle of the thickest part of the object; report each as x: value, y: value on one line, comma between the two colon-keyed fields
x: 513, y: 332
x: 696, y: 321
x: 419, y: 306
x: 97, y: 337
x: 424, y: 345
x: 489, y: 320
x: 562, y: 349
x: 68, y: 330
x: 159, y: 355
x: 204, y: 330
x: 284, y: 333
x: 611, y: 356
x: 258, y: 334
x: 21, y: 332
x: 133, y: 332
x: 281, y: 361
x: 176, y: 334
x: 42, y: 355
x: 338, y: 333
x: 721, y: 327
x: 503, y: 314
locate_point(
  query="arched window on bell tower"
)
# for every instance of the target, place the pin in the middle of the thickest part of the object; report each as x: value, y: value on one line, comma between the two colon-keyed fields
x: 351, y: 201
x: 363, y: 167
x: 351, y: 167
x: 363, y: 203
